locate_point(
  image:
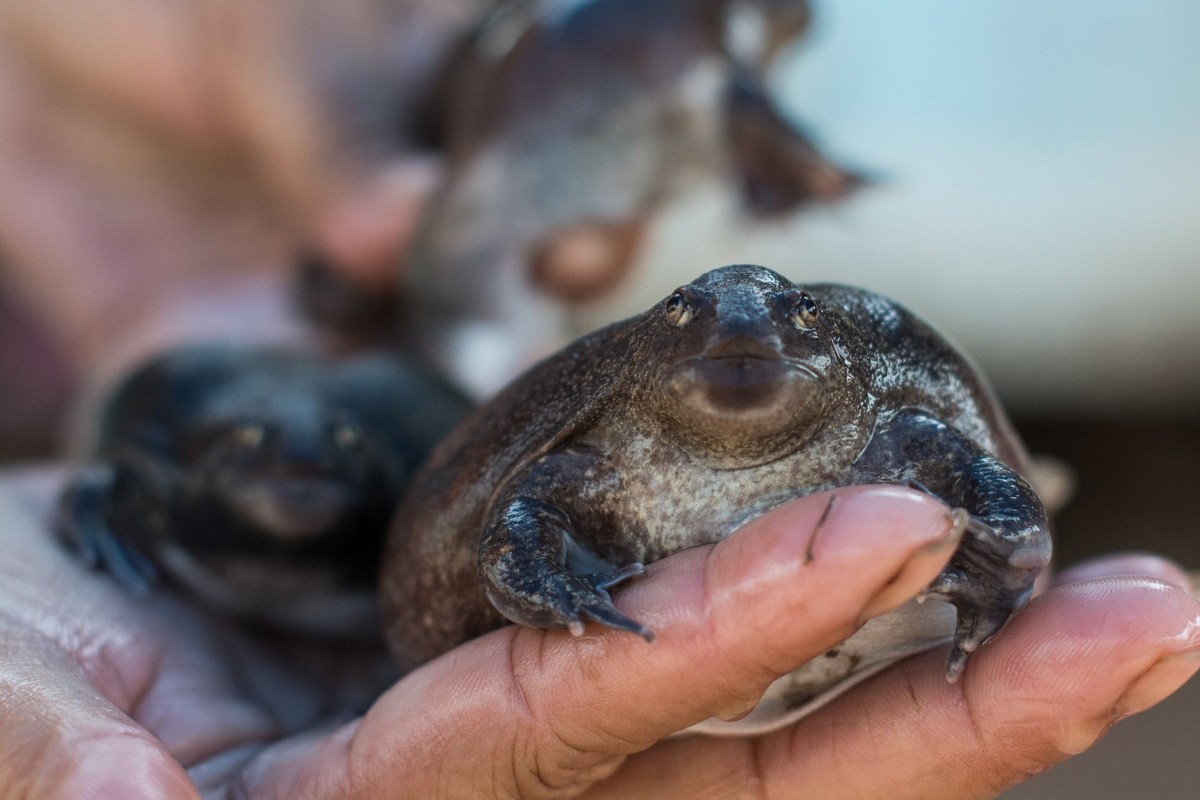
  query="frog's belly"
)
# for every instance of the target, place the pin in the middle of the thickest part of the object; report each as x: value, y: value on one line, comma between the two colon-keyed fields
x: 911, y: 628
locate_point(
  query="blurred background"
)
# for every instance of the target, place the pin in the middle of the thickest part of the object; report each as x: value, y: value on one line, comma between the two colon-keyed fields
x: 1036, y: 194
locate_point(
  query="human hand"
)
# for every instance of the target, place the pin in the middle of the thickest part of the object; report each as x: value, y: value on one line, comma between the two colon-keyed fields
x: 111, y: 698
x: 149, y: 155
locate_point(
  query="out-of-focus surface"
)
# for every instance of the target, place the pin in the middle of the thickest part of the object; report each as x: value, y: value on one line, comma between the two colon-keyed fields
x: 1038, y: 193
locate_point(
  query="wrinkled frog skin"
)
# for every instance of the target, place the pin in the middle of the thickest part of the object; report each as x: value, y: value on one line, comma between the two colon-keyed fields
x: 738, y: 392
x: 262, y: 480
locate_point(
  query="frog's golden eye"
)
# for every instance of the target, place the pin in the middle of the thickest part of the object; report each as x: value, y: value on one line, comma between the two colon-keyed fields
x: 804, y: 312
x: 679, y: 310
x: 346, y: 436
x: 250, y: 434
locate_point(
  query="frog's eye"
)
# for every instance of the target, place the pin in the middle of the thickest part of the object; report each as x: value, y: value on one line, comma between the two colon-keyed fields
x: 347, y: 436
x: 803, y: 313
x: 679, y: 310
x: 250, y: 434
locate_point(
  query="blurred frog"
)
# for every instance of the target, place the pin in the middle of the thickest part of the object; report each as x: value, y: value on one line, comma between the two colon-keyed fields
x: 261, y: 480
x: 564, y: 125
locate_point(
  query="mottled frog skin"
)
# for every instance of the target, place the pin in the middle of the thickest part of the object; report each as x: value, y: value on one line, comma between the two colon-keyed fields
x: 738, y: 392
x: 263, y: 480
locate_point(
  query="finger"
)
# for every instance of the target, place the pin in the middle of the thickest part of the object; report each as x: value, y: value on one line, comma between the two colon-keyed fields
x: 113, y: 666
x: 1144, y: 564
x: 129, y: 56
x: 325, y: 103
x: 531, y: 713
x: 62, y: 740
x: 1079, y: 658
x: 366, y: 226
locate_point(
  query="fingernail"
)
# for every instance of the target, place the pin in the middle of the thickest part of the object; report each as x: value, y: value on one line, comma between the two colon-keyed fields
x: 1157, y: 683
x: 737, y: 709
x: 915, y: 574
x: 882, y: 516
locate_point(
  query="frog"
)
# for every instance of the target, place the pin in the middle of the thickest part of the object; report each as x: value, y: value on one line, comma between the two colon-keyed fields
x: 736, y: 393
x: 258, y: 478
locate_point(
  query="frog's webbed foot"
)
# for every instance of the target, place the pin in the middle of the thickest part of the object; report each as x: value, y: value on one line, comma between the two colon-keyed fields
x: 562, y: 600
x: 990, y: 577
x: 524, y: 560
x: 83, y: 527
x: 1007, y: 540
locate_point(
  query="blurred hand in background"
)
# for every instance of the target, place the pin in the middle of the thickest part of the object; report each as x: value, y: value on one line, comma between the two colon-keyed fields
x: 154, y: 155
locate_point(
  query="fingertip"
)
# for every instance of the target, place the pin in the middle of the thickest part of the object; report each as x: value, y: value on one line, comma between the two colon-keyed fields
x: 1128, y: 563
x: 366, y: 228
x: 115, y: 765
x: 1085, y: 643
x: 1074, y: 661
x: 860, y: 524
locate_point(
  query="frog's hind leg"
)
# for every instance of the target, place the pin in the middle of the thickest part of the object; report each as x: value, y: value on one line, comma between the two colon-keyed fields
x: 537, y: 574
x: 83, y: 526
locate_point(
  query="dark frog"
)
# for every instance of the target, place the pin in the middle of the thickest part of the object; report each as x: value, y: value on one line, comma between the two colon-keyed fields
x: 262, y: 480
x: 738, y: 392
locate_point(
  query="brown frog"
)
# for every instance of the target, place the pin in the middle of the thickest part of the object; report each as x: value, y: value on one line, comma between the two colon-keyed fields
x: 738, y: 392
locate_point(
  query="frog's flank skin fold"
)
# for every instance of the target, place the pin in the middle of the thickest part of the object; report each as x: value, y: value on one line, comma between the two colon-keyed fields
x: 262, y: 480
x: 738, y: 392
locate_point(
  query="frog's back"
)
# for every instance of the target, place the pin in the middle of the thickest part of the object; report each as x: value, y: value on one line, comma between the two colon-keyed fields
x: 441, y: 519
x: 911, y: 364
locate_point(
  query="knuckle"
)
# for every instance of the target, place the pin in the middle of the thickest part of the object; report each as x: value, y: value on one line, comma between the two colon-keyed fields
x: 549, y: 755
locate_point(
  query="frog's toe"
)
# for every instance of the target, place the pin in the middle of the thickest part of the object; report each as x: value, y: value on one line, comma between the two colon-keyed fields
x: 599, y: 608
x: 568, y: 601
x: 974, y: 627
x: 99, y: 548
x: 989, y: 579
x: 128, y: 566
x: 83, y: 528
x: 607, y: 580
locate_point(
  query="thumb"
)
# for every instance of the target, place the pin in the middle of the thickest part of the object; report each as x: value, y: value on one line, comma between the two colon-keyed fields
x: 62, y: 740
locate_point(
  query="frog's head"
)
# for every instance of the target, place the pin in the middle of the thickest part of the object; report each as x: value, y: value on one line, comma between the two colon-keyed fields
x: 286, y: 462
x: 751, y: 365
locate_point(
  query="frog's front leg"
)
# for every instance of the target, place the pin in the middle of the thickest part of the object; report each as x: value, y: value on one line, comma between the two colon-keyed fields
x: 1008, y: 539
x: 105, y: 515
x: 534, y: 569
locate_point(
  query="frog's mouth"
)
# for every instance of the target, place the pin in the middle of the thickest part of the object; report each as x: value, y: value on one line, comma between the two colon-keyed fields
x: 747, y: 382
x: 291, y: 507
